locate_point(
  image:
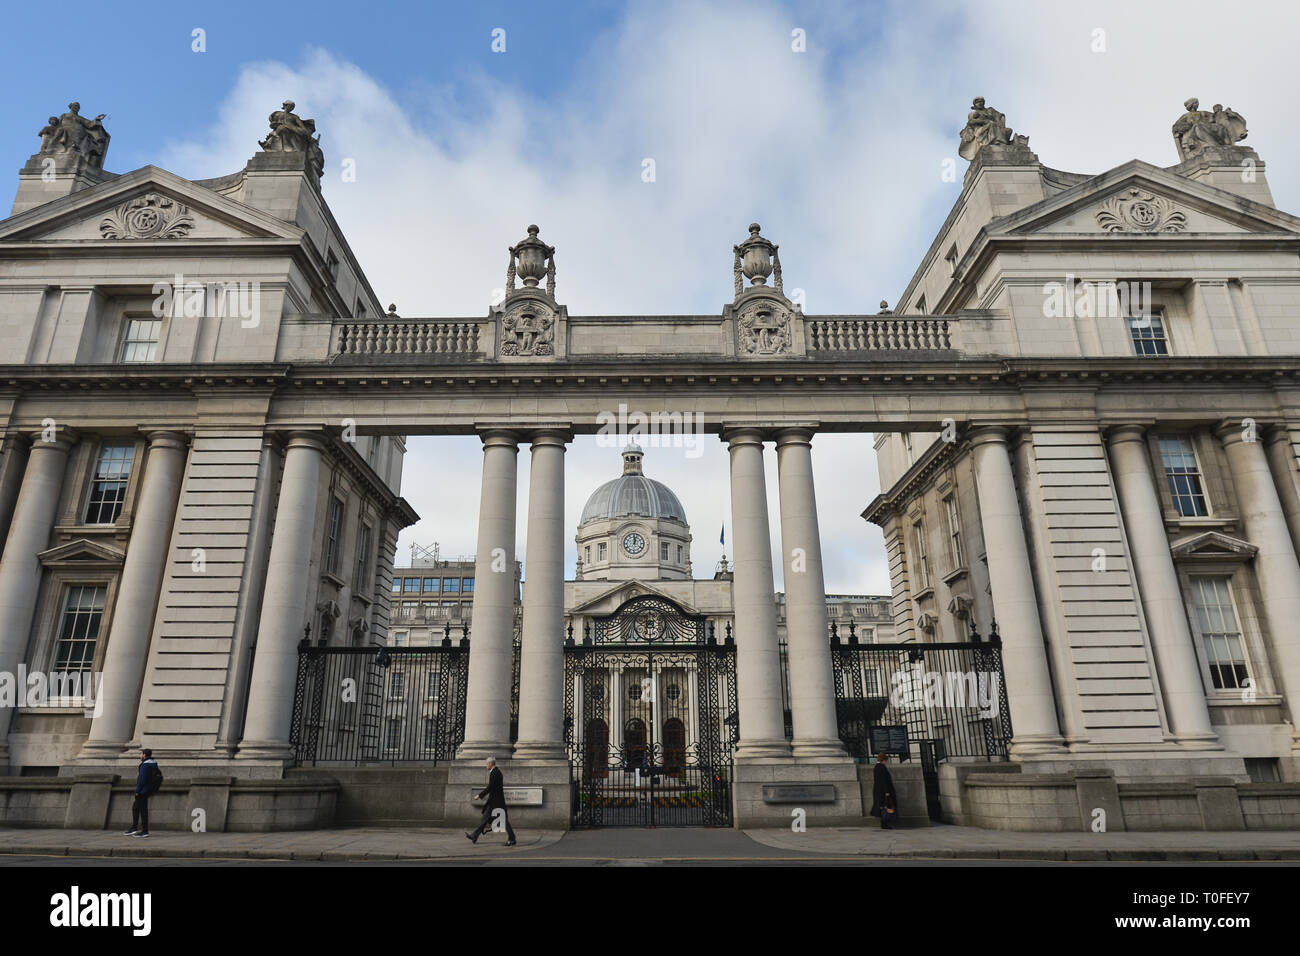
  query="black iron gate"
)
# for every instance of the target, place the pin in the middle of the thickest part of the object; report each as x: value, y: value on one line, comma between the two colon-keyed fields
x: 949, y: 699
x: 650, y: 719
x: 394, y: 705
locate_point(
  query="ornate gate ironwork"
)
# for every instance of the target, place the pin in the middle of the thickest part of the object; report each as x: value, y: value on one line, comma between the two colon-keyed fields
x: 650, y: 718
x: 355, y: 705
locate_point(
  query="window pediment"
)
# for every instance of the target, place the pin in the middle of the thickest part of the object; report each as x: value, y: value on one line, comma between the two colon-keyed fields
x: 1213, y: 546
x: 82, y: 553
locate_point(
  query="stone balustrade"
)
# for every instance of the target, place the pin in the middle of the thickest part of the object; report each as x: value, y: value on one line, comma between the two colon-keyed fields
x: 405, y: 337
x: 878, y: 334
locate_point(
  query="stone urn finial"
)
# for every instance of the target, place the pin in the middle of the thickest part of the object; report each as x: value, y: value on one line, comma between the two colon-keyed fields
x: 530, y: 260
x: 756, y: 259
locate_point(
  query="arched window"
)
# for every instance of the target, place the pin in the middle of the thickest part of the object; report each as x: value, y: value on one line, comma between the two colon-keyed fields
x: 635, y: 753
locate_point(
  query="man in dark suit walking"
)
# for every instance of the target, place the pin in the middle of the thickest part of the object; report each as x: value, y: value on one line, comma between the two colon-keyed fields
x: 496, y: 801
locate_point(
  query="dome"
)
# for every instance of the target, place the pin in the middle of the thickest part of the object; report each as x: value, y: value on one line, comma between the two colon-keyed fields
x: 632, y: 493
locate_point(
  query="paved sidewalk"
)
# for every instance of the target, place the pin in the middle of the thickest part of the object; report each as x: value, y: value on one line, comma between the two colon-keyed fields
x: 829, y: 844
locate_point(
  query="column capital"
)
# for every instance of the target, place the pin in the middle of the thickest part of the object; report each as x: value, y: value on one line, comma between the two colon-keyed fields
x: 989, y: 434
x: 1277, y: 432
x: 1232, y: 431
x: 1129, y: 431
x: 553, y: 435
x: 795, y: 435
x: 738, y: 435
x: 498, y: 436
x: 163, y: 438
x: 64, y: 438
x: 318, y: 441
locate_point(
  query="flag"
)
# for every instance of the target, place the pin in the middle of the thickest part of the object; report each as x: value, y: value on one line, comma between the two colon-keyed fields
x: 722, y: 538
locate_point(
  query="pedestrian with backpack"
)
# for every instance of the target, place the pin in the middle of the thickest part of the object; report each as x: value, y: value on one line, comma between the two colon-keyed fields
x: 148, y: 781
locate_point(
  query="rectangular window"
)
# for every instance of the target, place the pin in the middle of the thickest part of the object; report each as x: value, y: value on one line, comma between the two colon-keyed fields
x: 399, y: 640
x: 663, y: 550
x: 1216, y: 619
x: 393, y: 734
x: 467, y: 586
x: 333, y: 528
x: 920, y: 305
x: 922, y: 557
x: 397, y: 585
x: 140, y: 344
x: 600, y: 551
x: 361, y: 580
x: 410, y: 585
x: 951, y: 259
x: 907, y: 449
x: 108, y: 488
x: 332, y: 264
x: 1184, y: 475
x: 83, y: 609
x: 954, y: 531
x: 450, y: 585
x: 679, y: 554
x: 396, y: 685
x: 431, y: 585
x: 1149, y: 334
x: 586, y: 555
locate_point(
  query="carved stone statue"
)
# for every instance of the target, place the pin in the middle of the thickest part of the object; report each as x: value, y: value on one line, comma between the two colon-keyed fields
x: 1198, y: 130
x: 292, y: 134
x: 985, y: 126
x: 528, y: 333
x: 73, y: 133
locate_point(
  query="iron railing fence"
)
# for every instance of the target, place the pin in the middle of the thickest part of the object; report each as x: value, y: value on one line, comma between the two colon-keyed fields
x: 379, y: 705
x: 951, y: 698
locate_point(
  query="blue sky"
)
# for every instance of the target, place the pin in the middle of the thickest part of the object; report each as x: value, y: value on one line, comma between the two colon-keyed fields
x: 838, y: 151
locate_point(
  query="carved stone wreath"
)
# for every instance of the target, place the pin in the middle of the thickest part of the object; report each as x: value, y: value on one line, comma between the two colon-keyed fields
x: 764, y: 329
x: 1140, y: 211
x: 150, y: 216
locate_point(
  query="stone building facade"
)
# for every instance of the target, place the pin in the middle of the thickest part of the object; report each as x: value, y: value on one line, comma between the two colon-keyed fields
x: 1088, y: 426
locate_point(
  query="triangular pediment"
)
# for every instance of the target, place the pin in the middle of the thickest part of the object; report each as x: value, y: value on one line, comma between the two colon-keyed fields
x: 1138, y: 199
x: 1213, y: 545
x: 619, y: 592
x: 81, y: 553
x: 147, y: 205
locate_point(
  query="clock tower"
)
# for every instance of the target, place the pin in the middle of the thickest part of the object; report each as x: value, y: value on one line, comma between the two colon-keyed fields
x: 633, y: 528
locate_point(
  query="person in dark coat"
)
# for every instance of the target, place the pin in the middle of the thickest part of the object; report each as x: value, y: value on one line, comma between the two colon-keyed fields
x: 496, y: 800
x: 148, y: 779
x: 882, y: 794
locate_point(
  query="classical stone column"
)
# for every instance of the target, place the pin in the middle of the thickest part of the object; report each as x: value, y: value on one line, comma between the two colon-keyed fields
x: 1024, y: 655
x: 812, y: 685
x: 541, y: 664
x: 11, y: 480
x: 1275, y: 562
x: 137, y: 596
x: 1162, y: 599
x: 284, y: 603
x: 20, y: 571
x: 487, y: 702
x: 758, y: 655
x: 1286, y: 478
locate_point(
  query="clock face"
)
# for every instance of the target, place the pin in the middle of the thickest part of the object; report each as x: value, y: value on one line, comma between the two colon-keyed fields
x: 633, y: 543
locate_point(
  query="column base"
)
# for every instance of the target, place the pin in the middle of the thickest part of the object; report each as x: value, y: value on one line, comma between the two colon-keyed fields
x: 1208, y: 741
x: 1033, y: 745
x: 763, y: 749
x: 264, y: 750
x: 482, y: 749
x: 101, y: 750
x: 536, y: 750
x: 819, y: 749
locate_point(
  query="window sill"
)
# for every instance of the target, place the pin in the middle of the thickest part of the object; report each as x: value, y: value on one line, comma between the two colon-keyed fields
x: 334, y: 579
x: 1234, y: 700
x: 956, y: 574
x: 923, y: 594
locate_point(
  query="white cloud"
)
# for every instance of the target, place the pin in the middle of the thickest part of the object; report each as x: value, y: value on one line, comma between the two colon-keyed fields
x: 836, y: 151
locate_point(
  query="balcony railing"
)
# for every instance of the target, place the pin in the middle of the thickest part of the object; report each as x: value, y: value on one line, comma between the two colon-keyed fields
x: 878, y: 334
